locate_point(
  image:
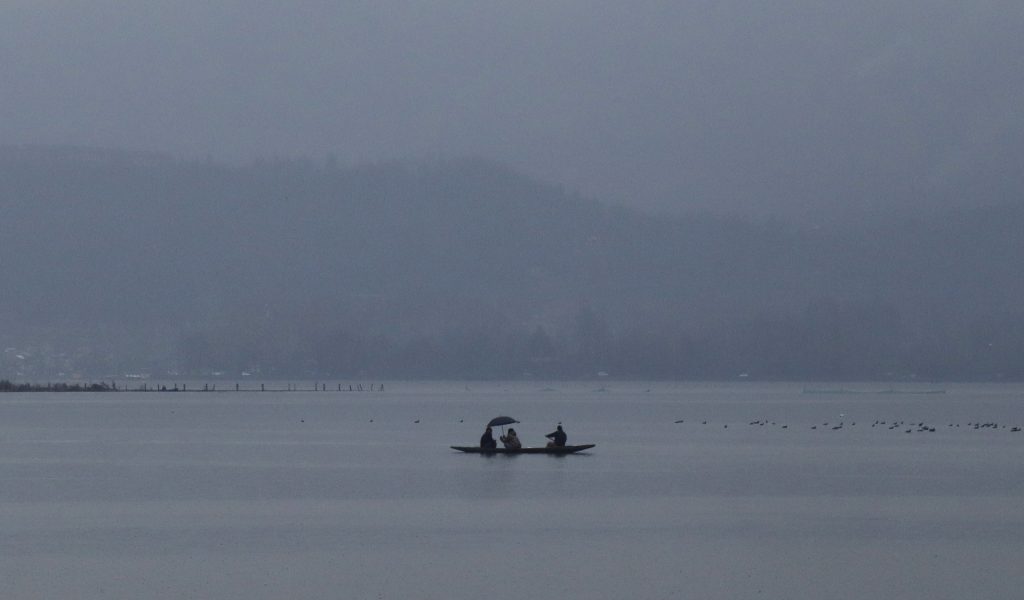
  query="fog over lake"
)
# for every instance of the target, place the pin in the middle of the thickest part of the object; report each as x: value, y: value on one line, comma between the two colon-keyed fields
x: 466, y: 190
x: 693, y: 490
x: 573, y: 211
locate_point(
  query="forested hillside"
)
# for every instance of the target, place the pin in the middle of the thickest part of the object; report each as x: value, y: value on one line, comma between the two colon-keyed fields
x: 114, y: 262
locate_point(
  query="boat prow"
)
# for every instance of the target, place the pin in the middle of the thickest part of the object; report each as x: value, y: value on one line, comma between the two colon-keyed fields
x: 540, y: 450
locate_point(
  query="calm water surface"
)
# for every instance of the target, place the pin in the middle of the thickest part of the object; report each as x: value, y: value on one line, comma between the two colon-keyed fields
x: 345, y: 495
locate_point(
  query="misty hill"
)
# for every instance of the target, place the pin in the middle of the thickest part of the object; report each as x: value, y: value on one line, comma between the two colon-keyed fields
x: 116, y: 262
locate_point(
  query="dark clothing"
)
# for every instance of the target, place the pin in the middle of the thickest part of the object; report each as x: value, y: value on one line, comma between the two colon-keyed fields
x: 557, y: 437
x: 487, y: 440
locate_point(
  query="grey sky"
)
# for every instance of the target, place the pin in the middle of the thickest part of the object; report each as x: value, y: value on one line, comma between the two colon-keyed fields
x: 745, y: 105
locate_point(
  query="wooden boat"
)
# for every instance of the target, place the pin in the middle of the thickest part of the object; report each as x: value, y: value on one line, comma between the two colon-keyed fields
x: 541, y: 450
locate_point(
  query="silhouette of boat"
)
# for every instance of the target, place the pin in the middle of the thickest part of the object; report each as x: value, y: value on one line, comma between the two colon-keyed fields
x: 540, y: 450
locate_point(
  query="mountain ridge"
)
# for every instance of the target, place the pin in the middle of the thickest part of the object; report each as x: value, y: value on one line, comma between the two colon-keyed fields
x: 270, y: 253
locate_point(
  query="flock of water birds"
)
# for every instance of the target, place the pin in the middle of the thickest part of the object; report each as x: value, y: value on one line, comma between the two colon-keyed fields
x: 904, y: 426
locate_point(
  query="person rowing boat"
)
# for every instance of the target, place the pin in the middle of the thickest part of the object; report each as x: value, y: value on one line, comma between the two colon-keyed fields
x: 557, y: 438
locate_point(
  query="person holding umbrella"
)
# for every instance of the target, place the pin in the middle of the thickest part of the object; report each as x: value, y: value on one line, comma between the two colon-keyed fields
x: 499, y: 422
x: 511, y: 440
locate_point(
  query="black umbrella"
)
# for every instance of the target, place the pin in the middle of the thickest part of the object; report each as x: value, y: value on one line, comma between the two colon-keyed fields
x: 501, y: 421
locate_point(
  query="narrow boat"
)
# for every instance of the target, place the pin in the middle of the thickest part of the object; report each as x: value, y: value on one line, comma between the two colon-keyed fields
x: 541, y: 450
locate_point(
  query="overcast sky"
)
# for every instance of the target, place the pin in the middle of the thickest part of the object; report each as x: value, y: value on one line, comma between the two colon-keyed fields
x: 747, y: 106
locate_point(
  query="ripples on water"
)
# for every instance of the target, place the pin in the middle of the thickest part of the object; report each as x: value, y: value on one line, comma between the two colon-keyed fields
x: 696, y: 490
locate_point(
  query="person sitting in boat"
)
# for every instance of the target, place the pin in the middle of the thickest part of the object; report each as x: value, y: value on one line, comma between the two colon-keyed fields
x: 487, y: 440
x: 511, y: 440
x: 557, y: 438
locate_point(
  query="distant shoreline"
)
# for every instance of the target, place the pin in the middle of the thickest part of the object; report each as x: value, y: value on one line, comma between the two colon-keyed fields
x: 12, y: 387
x: 9, y: 386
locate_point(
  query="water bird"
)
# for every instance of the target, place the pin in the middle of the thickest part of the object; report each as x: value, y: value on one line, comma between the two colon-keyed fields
x: 680, y: 421
x: 416, y: 421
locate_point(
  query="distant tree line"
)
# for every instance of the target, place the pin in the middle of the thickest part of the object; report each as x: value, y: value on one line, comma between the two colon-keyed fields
x: 8, y: 386
x: 825, y: 342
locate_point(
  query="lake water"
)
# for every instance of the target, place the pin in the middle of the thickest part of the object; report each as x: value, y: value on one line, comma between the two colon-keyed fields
x: 345, y: 495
